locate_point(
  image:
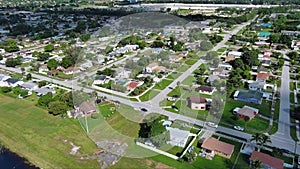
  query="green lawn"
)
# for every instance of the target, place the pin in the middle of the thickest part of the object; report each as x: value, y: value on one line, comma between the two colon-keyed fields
x: 221, y: 50
x: 106, y: 109
x: 148, y: 95
x: 183, y: 68
x: 191, y: 62
x: 163, y: 84
x: 165, y: 103
x: 177, y: 91
x: 293, y: 133
x: 257, y: 124
x: 274, y: 128
x: 173, y: 75
x: 64, y: 76
x: 292, y: 86
x: 292, y: 97
x: 25, y: 127
x: 189, y: 80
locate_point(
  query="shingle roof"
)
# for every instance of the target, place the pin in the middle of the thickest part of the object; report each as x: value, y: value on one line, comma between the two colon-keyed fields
x: 205, y: 88
x: 216, y: 145
x: 197, y: 99
x: 267, y: 159
x: 250, y: 94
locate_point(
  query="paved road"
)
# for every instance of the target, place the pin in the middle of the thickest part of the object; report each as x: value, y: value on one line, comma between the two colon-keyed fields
x: 282, y: 141
x: 163, y: 94
x: 284, y: 111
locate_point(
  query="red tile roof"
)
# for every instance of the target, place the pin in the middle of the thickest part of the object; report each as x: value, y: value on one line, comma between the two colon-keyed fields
x: 263, y: 76
x: 267, y: 159
x: 132, y: 85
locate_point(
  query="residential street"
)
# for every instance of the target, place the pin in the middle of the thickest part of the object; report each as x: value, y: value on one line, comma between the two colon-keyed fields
x: 281, y: 139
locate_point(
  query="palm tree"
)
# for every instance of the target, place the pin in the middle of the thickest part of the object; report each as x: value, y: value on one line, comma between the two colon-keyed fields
x: 256, y: 164
x: 256, y: 138
x: 265, y: 139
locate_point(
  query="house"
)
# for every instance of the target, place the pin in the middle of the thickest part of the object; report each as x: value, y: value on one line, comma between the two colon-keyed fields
x: 176, y: 58
x: 235, y: 54
x: 262, y: 76
x: 151, y: 67
x: 257, y: 85
x: 13, y: 82
x: 197, y: 103
x: 101, y: 79
x: 212, y: 146
x: 43, y: 69
x: 266, y: 160
x: 290, y: 33
x: 30, y: 86
x: 132, y: 85
x: 43, y: 91
x: 212, y: 78
x: 248, y: 96
x: 221, y: 72
x: 71, y: 70
x: 246, y: 111
x: 206, y: 90
x: 53, y: 72
x: 178, y: 137
x: 87, y: 108
x: 225, y: 66
x: 156, y: 50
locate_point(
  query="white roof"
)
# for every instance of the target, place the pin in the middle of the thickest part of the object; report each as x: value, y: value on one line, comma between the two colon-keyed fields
x: 178, y: 137
x: 235, y: 53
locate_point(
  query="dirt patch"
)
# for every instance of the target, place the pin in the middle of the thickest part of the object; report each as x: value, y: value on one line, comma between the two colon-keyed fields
x: 162, y: 166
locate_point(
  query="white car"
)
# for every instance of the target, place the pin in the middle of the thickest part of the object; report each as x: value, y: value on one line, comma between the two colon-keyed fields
x: 239, y: 128
x: 211, y: 124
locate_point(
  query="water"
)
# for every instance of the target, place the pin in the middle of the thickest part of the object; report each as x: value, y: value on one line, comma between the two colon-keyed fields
x: 10, y: 160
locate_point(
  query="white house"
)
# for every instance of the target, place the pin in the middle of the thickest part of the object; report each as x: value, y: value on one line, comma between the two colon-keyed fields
x: 43, y: 91
x: 235, y: 54
x: 178, y: 137
x: 30, y: 86
x: 102, y: 79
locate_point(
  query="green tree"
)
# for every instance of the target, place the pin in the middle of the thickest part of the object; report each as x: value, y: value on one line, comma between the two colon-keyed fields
x: 293, y: 55
x: 28, y: 76
x: 42, y: 83
x: 52, y: 64
x: 57, y: 108
x: 84, y: 37
x: 45, y: 100
x: 211, y: 55
x: 12, y: 62
x: 49, y: 48
x: 256, y: 164
x: 20, y: 92
x: 205, y: 46
x: 256, y: 137
x: 66, y: 62
x: 6, y: 89
x: 1, y: 57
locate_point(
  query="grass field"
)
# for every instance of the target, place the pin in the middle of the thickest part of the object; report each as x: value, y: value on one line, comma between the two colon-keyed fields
x: 189, y: 80
x: 163, y: 84
x: 34, y: 134
x: 257, y: 124
x: 190, y: 62
x: 148, y: 95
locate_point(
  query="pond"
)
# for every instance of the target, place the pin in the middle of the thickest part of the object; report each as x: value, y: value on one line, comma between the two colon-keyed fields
x: 10, y: 160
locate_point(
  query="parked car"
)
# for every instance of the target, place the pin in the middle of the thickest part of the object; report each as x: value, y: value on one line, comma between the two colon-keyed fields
x: 144, y: 109
x: 285, y: 151
x: 239, y: 128
x: 175, y: 108
x: 171, y: 88
x: 211, y: 124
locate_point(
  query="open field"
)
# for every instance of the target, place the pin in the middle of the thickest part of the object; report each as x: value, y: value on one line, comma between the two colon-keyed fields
x: 34, y: 134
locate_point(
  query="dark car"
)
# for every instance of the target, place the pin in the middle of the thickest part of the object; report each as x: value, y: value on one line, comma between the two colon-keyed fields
x: 171, y: 88
x: 285, y: 151
x: 144, y: 109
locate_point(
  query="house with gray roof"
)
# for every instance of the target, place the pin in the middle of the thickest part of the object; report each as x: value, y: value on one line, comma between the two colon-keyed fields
x: 257, y: 86
x: 248, y: 96
x: 43, y: 91
x: 29, y: 86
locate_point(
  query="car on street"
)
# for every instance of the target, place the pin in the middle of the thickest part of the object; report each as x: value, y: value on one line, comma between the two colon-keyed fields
x: 144, y: 109
x: 239, y: 128
x: 211, y: 124
x: 171, y: 88
x: 285, y: 151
